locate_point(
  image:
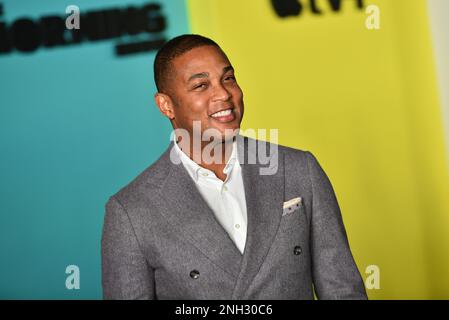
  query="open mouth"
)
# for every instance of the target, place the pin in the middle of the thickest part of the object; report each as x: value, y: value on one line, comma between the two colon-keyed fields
x: 224, y: 115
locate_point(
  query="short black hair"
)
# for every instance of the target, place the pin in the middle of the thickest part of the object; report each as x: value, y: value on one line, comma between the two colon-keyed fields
x: 172, y: 49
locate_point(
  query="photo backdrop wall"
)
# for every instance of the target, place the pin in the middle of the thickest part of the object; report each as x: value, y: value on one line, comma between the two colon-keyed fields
x: 78, y: 122
x: 367, y: 102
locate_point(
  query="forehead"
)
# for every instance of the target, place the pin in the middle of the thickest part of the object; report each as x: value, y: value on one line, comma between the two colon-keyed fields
x: 200, y: 59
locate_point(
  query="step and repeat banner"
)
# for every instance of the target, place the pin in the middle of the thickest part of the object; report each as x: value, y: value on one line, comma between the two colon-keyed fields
x: 355, y: 83
x: 77, y: 122
x: 362, y: 84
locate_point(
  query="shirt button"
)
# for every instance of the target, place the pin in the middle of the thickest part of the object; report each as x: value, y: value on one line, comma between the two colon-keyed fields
x: 237, y: 226
x: 225, y: 188
x: 297, y: 250
x: 195, y: 274
x: 205, y: 174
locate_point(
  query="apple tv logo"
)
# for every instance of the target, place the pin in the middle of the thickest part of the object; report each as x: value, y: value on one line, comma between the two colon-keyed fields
x: 285, y: 8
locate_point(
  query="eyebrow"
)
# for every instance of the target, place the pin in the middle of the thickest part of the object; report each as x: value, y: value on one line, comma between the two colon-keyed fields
x: 228, y: 68
x: 206, y: 74
x: 198, y: 75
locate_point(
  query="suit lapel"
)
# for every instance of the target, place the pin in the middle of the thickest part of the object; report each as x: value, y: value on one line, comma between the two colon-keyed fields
x: 184, y: 207
x: 264, y: 197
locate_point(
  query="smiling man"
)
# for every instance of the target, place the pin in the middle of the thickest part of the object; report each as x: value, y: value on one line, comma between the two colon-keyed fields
x: 199, y: 87
x: 209, y: 219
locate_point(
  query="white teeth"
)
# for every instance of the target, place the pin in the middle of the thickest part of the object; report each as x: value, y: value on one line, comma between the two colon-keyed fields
x: 222, y: 113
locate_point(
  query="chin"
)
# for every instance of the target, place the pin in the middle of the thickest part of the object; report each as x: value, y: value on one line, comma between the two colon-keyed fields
x: 230, y: 135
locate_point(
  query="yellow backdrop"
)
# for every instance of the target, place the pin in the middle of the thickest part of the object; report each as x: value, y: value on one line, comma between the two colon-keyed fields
x: 365, y: 103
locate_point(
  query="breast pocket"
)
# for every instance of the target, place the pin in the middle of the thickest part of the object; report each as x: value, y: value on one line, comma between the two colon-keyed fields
x: 293, y: 217
x: 291, y: 245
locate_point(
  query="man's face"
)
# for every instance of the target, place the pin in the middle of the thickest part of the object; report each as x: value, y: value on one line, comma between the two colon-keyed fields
x: 205, y: 90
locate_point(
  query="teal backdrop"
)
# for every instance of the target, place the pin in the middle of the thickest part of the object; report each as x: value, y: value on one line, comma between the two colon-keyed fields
x: 76, y: 124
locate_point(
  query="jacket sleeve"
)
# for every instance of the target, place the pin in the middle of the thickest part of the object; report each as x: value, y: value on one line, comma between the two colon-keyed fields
x: 335, y: 274
x: 125, y: 272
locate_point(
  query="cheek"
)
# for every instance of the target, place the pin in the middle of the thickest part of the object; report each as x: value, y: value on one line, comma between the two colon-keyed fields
x: 199, y: 106
x: 237, y: 91
x: 195, y: 103
x: 195, y: 109
x: 238, y: 96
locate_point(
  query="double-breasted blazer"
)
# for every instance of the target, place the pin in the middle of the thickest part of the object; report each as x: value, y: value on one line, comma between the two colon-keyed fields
x: 162, y: 241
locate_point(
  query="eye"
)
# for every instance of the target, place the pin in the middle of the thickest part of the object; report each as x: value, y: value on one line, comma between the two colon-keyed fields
x: 232, y: 78
x: 199, y: 86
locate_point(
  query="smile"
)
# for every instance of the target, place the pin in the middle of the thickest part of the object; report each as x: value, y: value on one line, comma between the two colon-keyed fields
x: 224, y: 115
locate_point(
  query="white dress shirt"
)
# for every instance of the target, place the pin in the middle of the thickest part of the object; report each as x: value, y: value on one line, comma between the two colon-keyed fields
x: 225, y: 198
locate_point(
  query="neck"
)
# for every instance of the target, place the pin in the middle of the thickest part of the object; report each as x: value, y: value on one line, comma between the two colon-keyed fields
x: 210, y: 155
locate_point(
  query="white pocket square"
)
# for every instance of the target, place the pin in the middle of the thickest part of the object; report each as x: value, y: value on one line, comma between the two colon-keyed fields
x: 291, y: 205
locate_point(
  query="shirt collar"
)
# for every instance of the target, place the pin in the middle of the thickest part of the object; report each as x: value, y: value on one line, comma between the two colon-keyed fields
x: 194, y: 168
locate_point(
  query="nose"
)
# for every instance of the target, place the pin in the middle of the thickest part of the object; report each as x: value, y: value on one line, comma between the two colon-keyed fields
x: 221, y: 93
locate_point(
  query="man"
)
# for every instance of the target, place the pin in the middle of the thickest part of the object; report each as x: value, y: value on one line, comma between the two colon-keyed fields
x: 229, y: 223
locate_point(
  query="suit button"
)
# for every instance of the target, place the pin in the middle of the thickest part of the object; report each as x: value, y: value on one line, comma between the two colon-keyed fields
x: 195, y: 274
x: 297, y: 251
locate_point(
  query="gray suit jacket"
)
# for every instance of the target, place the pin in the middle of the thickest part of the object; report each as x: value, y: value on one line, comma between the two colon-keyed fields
x: 162, y: 241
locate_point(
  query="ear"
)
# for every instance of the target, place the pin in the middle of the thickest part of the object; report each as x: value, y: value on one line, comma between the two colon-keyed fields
x: 165, y: 105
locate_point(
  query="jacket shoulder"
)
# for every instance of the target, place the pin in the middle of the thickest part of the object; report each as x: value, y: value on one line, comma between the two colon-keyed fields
x: 285, y: 150
x: 293, y: 153
x: 289, y: 153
